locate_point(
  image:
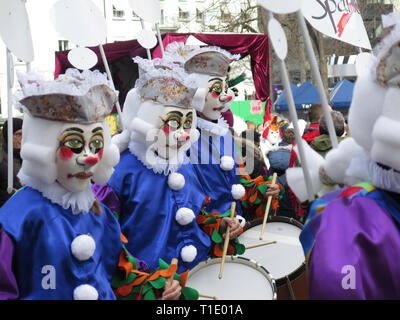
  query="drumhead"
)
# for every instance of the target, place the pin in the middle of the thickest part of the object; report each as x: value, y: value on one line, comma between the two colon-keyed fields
x: 281, y: 258
x: 242, y: 279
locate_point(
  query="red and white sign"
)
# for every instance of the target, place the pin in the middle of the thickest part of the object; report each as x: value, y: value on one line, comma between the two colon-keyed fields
x: 339, y: 19
x: 256, y: 107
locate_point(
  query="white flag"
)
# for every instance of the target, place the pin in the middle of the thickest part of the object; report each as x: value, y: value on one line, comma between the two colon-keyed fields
x: 339, y: 19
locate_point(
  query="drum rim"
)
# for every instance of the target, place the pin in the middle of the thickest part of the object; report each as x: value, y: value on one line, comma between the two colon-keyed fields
x: 292, y: 276
x: 299, y: 270
x: 256, y: 222
x: 241, y: 260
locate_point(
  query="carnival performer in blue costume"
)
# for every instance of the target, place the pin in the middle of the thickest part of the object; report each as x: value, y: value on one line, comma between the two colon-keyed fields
x: 154, y: 188
x: 56, y: 240
x: 215, y: 156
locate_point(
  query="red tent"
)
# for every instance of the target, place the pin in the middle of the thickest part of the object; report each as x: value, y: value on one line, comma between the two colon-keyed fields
x: 125, y: 72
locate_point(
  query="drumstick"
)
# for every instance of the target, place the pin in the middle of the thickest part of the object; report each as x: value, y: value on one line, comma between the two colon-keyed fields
x: 259, y: 244
x: 227, y: 233
x: 267, y: 208
x: 171, y: 278
x: 209, y: 297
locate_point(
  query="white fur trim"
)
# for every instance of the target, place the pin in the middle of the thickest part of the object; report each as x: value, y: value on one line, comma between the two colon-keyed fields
x: 227, y: 163
x: 386, y: 142
x: 242, y: 220
x: 188, y: 253
x: 176, y: 181
x: 220, y: 128
x: 364, y: 169
x: 237, y: 191
x: 83, y: 247
x: 152, y: 161
x: 79, y: 202
x: 85, y: 292
x: 184, y: 216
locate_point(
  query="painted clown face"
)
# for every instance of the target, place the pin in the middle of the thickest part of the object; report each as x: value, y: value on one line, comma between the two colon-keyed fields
x: 274, y: 136
x: 79, y: 152
x: 173, y: 132
x: 217, y: 98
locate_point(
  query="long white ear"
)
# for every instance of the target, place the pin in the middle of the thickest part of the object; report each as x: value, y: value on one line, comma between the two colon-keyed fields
x: 365, y: 109
x: 131, y: 107
x: 199, y: 99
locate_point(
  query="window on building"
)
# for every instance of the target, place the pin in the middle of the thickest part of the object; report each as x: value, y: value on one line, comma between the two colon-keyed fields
x: 135, y: 16
x: 162, y: 18
x: 63, y: 45
x: 225, y: 16
x: 118, y: 13
x: 199, y: 16
x: 183, y: 15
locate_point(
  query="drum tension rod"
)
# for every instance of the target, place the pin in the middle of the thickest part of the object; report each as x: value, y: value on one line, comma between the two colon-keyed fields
x: 290, y: 288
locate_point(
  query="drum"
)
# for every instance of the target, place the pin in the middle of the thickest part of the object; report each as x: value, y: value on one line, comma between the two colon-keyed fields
x: 242, y: 279
x: 284, y: 259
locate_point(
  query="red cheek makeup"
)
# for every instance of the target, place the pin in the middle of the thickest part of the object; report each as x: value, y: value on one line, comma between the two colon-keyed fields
x: 166, y: 129
x: 65, y: 153
x: 215, y: 95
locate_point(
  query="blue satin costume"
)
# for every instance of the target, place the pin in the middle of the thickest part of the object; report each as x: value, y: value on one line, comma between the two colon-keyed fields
x: 42, y: 233
x: 148, y: 208
x: 205, y: 156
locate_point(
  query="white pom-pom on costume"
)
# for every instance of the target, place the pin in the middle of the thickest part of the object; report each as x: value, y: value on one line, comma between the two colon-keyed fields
x: 176, y: 181
x: 188, y: 253
x: 85, y: 292
x: 227, y: 163
x: 237, y: 191
x: 83, y: 247
x: 184, y: 216
x: 242, y: 220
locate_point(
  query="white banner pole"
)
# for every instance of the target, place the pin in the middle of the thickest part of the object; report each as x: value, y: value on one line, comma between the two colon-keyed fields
x: 103, y: 57
x: 294, y: 119
x: 317, y: 79
x: 10, y: 158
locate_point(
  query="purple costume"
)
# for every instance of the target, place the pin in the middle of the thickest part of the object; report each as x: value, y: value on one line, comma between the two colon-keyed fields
x: 351, y: 241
